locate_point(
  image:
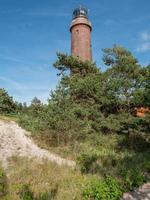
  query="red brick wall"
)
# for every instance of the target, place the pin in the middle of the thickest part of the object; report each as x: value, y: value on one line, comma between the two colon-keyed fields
x: 81, y: 40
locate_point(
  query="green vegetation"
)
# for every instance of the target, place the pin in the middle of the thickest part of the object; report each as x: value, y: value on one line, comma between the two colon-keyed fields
x: 7, y: 105
x: 108, y: 188
x: 3, y: 184
x: 133, y: 178
x: 91, y: 118
x: 35, y: 180
x: 10, y: 109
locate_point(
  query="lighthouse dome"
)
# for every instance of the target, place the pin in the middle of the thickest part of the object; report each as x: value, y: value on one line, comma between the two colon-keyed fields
x: 80, y: 12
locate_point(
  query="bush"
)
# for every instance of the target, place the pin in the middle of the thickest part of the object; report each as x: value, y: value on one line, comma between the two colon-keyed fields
x: 30, y: 123
x: 3, y: 184
x: 48, y: 195
x: 25, y: 193
x: 133, y: 178
x: 86, y: 160
x: 51, y: 194
x: 7, y: 105
x: 45, y: 196
x: 147, y: 166
x: 107, y: 189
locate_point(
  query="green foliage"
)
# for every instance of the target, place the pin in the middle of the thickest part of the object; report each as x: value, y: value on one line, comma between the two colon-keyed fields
x: 89, y: 101
x: 7, y: 104
x: 124, y: 77
x: 3, y: 184
x: 142, y: 94
x: 95, y: 110
x: 72, y: 64
x: 146, y: 166
x: 25, y: 193
x: 85, y: 161
x: 107, y: 189
x: 49, y: 195
x: 36, y: 107
x: 133, y: 178
x: 30, y: 123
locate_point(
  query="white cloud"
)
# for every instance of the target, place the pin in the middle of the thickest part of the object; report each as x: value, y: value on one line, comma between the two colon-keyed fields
x: 145, y: 36
x: 144, y: 44
x: 143, y: 47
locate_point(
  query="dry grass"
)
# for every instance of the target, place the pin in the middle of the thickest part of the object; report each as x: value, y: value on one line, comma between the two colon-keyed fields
x: 44, y: 177
x: 8, y: 118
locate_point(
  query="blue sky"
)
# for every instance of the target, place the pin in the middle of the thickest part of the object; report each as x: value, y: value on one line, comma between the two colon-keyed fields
x: 32, y: 31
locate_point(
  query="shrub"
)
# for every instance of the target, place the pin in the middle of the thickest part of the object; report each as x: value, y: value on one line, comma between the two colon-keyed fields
x: 86, y: 160
x: 107, y: 189
x: 7, y: 105
x: 25, y: 193
x: 45, y: 196
x: 133, y: 178
x: 3, y: 184
x: 49, y: 195
x: 147, y: 166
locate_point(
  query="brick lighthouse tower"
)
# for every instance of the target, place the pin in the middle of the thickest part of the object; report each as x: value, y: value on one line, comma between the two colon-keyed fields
x: 81, y: 35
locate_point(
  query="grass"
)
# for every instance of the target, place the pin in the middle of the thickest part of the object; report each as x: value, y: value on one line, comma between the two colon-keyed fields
x: 3, y: 183
x: 101, y: 143
x: 9, y: 118
x: 103, y: 155
x: 98, y: 155
x: 42, y: 178
x: 59, y: 182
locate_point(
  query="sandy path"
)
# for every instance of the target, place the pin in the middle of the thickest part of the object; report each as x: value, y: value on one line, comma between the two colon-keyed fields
x: 15, y: 141
x: 143, y: 193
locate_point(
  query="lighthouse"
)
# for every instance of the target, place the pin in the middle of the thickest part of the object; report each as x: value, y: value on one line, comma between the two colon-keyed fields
x: 81, y: 35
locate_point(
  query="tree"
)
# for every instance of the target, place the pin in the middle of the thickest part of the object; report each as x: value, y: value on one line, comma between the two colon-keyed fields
x: 147, y: 87
x: 7, y: 104
x: 36, y: 107
x: 83, y: 89
x: 88, y: 101
x: 123, y: 77
x: 19, y: 106
x: 142, y: 93
x: 36, y: 102
x: 73, y: 65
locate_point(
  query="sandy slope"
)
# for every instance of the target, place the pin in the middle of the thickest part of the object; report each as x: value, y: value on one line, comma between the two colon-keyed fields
x: 15, y: 141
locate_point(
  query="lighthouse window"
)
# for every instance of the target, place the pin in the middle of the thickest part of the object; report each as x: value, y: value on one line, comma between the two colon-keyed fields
x: 82, y: 12
x: 77, y: 31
